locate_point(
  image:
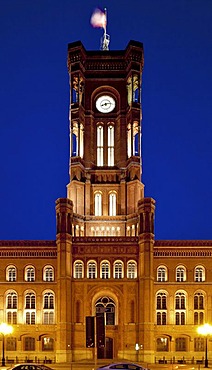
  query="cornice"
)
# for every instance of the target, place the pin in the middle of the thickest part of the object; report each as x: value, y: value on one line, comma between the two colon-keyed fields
x: 27, y: 243
x: 183, y: 243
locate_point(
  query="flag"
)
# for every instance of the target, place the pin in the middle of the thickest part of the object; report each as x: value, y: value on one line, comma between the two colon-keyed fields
x: 98, y: 19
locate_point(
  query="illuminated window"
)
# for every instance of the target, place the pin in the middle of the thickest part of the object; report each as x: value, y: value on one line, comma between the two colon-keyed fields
x: 77, y: 140
x: 180, y: 273
x: 118, y: 270
x: 47, y: 344
x: 161, y: 273
x: 110, y: 145
x: 162, y: 344
x: 198, y: 309
x: 98, y: 204
x: 29, y: 273
x: 48, y: 273
x: 161, y: 308
x: 11, y: 307
x: 78, y: 270
x: 92, y: 270
x: 112, y: 204
x: 30, y: 308
x: 131, y: 270
x: 105, y: 270
x: 180, y: 308
x: 11, y: 272
x: 100, y: 146
x: 199, y: 274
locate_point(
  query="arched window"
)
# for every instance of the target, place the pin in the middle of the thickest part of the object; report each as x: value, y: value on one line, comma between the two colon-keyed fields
x: 106, y: 306
x: 11, y: 307
x: 29, y: 273
x: 100, y: 145
x: 136, y: 139
x: 162, y: 273
x: 129, y: 140
x: 30, y: 305
x: 162, y: 344
x: 199, y: 274
x: 98, y: 204
x: 48, y: 308
x: 118, y: 270
x: 78, y: 269
x: 105, y: 270
x: 47, y: 344
x: 161, y: 308
x: 180, y: 273
x: 180, y: 308
x: 110, y: 146
x: 48, y: 273
x: 11, y: 273
x: 91, y: 270
x: 131, y: 270
x: 198, y: 308
x: 112, y: 203
x: 77, y: 140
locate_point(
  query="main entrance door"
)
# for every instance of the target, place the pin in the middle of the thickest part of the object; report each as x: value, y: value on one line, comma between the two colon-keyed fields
x: 107, y: 351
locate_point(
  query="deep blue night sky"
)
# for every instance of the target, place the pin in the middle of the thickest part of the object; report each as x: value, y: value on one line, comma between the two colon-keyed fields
x: 177, y: 117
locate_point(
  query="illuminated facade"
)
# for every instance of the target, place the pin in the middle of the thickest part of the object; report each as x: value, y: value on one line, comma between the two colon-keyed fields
x: 105, y: 260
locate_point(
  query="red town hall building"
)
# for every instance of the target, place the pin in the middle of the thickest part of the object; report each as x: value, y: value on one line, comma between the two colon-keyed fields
x: 148, y: 296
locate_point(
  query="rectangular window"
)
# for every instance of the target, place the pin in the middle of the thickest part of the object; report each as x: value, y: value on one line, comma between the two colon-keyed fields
x: 29, y: 344
x: 180, y: 344
x: 199, y: 344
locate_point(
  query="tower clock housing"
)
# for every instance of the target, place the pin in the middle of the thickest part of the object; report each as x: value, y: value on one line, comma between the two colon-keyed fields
x: 105, y: 140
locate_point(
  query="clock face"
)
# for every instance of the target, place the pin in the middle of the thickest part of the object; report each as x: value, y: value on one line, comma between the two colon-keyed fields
x: 105, y: 104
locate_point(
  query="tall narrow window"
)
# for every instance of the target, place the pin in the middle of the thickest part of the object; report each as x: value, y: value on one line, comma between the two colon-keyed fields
x: 180, y: 273
x: 29, y: 273
x: 78, y: 270
x: 105, y: 270
x: 129, y: 140
x: 112, y: 204
x: 198, y: 309
x: 98, y: 204
x: 30, y: 308
x: 110, y: 133
x: 48, y: 308
x: 91, y: 272
x: 100, y: 146
x: 180, y: 308
x: 48, y: 273
x: 11, y: 307
x: 161, y: 308
x: 199, y: 274
x: 131, y: 270
x: 118, y: 272
x: 161, y: 273
x: 136, y: 139
x: 11, y: 273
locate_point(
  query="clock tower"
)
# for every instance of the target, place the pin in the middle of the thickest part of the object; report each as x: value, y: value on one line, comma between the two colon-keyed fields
x: 105, y: 139
x: 105, y: 226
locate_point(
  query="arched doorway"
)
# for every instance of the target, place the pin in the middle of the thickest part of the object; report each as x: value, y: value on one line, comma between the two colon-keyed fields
x: 106, y: 313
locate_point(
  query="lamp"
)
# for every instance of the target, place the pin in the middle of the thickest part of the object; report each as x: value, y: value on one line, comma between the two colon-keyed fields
x: 4, y: 330
x: 205, y: 330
